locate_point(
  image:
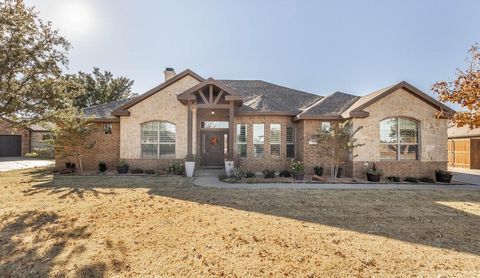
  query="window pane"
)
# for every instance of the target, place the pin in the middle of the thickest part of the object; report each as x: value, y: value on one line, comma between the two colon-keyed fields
x: 107, y: 128
x: 241, y: 133
x: 167, y: 150
x: 290, y: 134
x: 291, y: 151
x: 149, y: 150
x: 388, y: 131
x: 258, y: 150
x: 242, y: 150
x: 388, y: 152
x: 167, y: 132
x: 275, y: 133
x: 408, y: 130
x: 408, y: 152
x: 275, y: 150
x: 214, y: 124
x: 258, y: 133
x: 326, y: 126
x: 150, y: 132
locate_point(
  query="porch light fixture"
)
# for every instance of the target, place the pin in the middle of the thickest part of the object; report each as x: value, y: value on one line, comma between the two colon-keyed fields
x: 213, y: 111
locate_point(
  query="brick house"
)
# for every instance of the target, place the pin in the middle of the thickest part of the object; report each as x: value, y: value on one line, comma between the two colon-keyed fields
x: 16, y: 142
x: 266, y: 125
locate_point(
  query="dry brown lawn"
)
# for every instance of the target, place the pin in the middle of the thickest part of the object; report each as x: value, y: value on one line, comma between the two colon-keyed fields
x: 164, y: 226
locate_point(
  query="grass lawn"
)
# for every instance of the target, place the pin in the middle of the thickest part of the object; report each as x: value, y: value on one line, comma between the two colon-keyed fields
x: 164, y: 226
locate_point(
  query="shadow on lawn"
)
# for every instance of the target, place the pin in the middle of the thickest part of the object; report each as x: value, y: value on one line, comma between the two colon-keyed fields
x: 414, y: 216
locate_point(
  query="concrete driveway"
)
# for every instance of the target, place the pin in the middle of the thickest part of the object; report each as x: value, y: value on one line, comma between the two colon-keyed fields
x: 471, y: 176
x: 16, y: 163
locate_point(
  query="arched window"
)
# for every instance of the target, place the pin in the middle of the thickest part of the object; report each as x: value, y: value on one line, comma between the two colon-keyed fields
x: 399, y: 139
x: 158, y: 140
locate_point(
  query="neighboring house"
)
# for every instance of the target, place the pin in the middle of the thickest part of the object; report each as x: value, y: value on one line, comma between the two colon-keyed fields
x: 266, y: 125
x: 464, y: 147
x: 16, y: 142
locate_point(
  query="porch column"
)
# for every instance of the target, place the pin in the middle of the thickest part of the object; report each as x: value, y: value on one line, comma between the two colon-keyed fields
x: 189, y: 129
x: 231, y: 127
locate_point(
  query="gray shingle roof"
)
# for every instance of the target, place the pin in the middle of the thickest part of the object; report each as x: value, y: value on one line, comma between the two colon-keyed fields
x: 263, y: 103
x: 104, y: 110
x: 332, y: 105
x: 275, y: 94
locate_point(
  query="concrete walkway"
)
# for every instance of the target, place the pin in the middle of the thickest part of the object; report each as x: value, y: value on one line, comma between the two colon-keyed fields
x: 471, y: 176
x: 206, y: 181
x: 17, y: 163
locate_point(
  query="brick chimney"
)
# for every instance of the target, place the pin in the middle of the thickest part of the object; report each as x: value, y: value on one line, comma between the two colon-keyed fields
x: 169, y: 73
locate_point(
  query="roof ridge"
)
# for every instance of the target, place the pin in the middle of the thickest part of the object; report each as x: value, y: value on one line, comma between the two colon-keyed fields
x: 313, y: 105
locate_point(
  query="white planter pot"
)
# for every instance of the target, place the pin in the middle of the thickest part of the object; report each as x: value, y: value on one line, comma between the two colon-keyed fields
x: 229, y: 166
x: 189, y: 168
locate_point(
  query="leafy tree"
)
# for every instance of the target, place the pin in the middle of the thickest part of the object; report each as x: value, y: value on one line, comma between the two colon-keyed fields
x: 32, y: 55
x: 71, y: 135
x: 336, y: 144
x: 465, y: 90
x: 100, y: 87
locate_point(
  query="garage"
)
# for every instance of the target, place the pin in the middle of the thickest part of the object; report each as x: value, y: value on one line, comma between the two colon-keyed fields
x: 464, y: 153
x: 10, y: 145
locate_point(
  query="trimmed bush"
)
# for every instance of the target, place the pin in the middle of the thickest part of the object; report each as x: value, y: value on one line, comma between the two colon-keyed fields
x: 136, y: 171
x: 318, y: 170
x: 176, y: 169
x: 149, y: 172
x: 102, y: 166
x: 249, y: 174
x: 393, y: 179
x: 285, y: 174
x: 268, y: 174
x: 426, y: 180
x: 411, y: 179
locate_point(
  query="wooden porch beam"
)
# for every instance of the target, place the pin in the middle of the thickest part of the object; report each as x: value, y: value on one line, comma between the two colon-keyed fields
x: 218, y: 97
x: 189, y: 129
x: 203, y: 96
x: 231, y: 127
x: 210, y: 93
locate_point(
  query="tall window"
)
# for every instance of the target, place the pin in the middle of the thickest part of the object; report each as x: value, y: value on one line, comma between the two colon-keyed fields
x: 242, y: 140
x: 158, y: 140
x: 275, y: 140
x: 398, y: 139
x: 107, y: 128
x: 290, y: 142
x: 258, y: 140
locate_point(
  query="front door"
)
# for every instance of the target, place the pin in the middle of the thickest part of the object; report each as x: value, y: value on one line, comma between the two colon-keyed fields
x: 213, y: 146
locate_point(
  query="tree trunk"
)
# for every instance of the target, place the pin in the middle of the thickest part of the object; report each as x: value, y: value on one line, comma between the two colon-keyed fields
x: 80, y: 166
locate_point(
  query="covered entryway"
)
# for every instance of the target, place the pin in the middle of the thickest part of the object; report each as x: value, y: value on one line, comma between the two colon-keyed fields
x: 211, y: 108
x: 10, y: 145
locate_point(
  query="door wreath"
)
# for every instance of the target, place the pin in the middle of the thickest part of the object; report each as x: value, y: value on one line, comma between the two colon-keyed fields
x: 213, y: 140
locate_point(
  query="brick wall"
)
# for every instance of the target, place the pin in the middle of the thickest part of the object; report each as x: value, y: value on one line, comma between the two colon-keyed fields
x: 6, y: 129
x: 402, y: 169
x: 254, y: 164
x: 106, y: 148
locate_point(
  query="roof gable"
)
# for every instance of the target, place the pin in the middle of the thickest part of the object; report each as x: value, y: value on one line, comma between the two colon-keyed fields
x: 122, y: 110
x: 358, y: 108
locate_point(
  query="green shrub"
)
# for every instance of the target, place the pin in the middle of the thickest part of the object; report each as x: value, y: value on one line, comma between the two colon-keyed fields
x: 237, y: 174
x: 176, y: 169
x: 285, y: 174
x: 149, y: 172
x: 426, y: 180
x: 136, y: 171
x: 393, y: 179
x: 442, y: 172
x: 318, y: 170
x: 268, y: 174
x: 102, y: 166
x: 411, y: 179
x: 32, y: 155
x: 249, y: 174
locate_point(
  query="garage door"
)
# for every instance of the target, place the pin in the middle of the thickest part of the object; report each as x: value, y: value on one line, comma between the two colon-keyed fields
x: 10, y: 145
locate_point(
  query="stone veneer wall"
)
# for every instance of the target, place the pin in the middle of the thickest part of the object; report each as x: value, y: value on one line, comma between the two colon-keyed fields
x: 162, y: 106
x: 106, y: 148
x: 6, y: 129
x: 267, y: 162
x: 432, y: 136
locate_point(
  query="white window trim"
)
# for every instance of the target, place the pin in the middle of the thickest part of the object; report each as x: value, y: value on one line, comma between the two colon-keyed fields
x: 399, y: 144
x: 279, y: 144
x: 239, y: 142
x: 291, y: 143
x: 169, y: 156
x: 261, y: 144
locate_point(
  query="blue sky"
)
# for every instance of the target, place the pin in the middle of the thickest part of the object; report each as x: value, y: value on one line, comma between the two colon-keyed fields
x: 315, y: 46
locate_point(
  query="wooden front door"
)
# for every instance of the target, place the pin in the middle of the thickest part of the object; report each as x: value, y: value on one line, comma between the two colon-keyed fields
x: 213, y: 146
